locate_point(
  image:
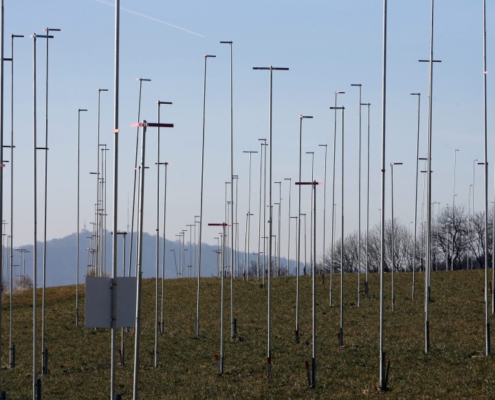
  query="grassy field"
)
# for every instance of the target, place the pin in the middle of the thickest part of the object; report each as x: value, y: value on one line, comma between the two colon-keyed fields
x: 79, y: 364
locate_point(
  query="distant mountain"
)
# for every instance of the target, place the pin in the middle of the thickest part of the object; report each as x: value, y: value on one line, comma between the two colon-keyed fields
x: 61, y: 259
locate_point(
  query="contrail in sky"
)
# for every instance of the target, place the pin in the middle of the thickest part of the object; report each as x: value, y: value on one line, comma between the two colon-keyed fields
x: 150, y: 18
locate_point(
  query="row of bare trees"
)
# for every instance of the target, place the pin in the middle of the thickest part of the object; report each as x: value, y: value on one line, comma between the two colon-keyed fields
x: 458, y: 242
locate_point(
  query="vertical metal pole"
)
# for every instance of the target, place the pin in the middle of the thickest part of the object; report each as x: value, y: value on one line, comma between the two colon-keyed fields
x: 298, y: 249
x: 368, y: 204
x: 311, y: 217
x: 232, y: 253
x: 175, y: 263
x: 313, y: 380
x: 21, y: 251
x: 469, y: 223
x: 447, y: 240
x: 428, y: 201
x: 232, y: 269
x: 416, y: 195
x: 104, y: 233
x: 487, y: 315
x: 196, y: 222
x: 333, y: 203
x: 237, y: 246
x: 180, y: 255
x: 115, y: 198
x: 279, y: 226
x: 137, y: 217
x: 123, y: 254
x: 271, y: 69
x: 177, y: 268
x: 472, y: 209
x: 2, y: 33
x: 248, y: 219
x: 11, y: 255
x: 99, y: 207
x: 45, y: 218
x: 201, y: 201
x: 122, y: 349
x: 77, y: 211
x: 222, y: 355
x: 139, y: 272
x: 277, y: 249
x: 288, y: 226
x: 183, y: 256
x: 236, y: 249
x: 191, y: 248
x: 393, y: 243
x: 259, y: 214
x: 226, y: 204
x: 99, y: 211
x: 333, y: 196
x: 11, y: 348
x: 264, y: 219
x: 383, y: 381
x: 359, y: 204
x: 295, y: 240
x: 270, y: 231
x: 493, y: 258
x: 162, y: 329
x: 324, y: 207
x: 4, y: 254
x: 341, y: 333
x: 157, y: 244
x: 246, y: 252
x: 184, y: 251
x: 35, y: 205
x: 135, y: 171
x: 305, y: 243
x: 99, y: 204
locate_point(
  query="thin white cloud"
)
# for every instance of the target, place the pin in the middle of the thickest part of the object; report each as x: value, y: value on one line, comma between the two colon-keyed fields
x: 150, y: 18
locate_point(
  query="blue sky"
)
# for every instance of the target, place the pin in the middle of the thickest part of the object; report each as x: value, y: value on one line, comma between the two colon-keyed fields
x: 326, y: 44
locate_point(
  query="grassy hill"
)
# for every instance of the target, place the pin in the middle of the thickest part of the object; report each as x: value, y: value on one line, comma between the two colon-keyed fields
x: 61, y: 258
x: 455, y: 368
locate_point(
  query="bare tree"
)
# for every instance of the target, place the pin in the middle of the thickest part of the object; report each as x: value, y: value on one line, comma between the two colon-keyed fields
x: 450, y: 237
x: 374, y: 249
x: 477, y: 242
x: 455, y: 238
x: 402, y: 246
x: 402, y: 250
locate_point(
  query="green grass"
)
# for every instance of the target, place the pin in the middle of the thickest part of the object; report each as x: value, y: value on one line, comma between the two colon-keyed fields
x: 455, y: 368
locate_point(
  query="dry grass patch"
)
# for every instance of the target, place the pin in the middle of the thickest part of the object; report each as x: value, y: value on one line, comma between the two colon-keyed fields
x: 80, y: 357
